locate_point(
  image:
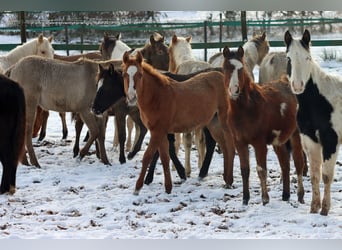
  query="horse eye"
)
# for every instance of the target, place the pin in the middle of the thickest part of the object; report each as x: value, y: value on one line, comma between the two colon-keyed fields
x: 43, y: 52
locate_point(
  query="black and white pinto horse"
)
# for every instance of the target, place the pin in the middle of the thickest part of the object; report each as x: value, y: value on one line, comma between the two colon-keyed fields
x: 319, y: 115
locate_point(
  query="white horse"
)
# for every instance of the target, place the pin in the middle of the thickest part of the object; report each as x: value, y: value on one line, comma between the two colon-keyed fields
x: 182, y: 61
x: 319, y: 115
x: 255, y: 50
x: 40, y: 46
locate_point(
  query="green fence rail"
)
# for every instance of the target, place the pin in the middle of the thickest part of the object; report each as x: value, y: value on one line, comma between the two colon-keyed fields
x: 150, y: 27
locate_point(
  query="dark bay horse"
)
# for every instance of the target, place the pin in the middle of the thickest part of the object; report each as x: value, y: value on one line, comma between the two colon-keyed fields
x: 171, y: 107
x: 260, y: 116
x: 319, y: 115
x: 12, y: 131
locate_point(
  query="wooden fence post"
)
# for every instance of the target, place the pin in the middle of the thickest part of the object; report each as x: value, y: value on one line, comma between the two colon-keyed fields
x: 22, y: 27
x: 244, y: 26
x: 205, y: 40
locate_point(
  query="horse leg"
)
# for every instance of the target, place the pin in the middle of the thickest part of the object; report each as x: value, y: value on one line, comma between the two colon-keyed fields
x: 30, y: 116
x: 116, y: 135
x: 120, y: 119
x: 298, y: 158
x: 152, y: 147
x: 243, y: 153
x: 78, y: 129
x: 37, y: 122
x: 260, y: 155
x: 8, y: 167
x: 210, y: 148
x: 45, y: 116
x: 142, y: 132
x: 151, y: 168
x: 187, y: 142
x: 129, y: 125
x: 178, y: 140
x: 94, y: 132
x: 165, y: 159
x: 200, y: 145
x: 172, y: 152
x: 65, y: 128
x: 100, y: 146
x: 284, y: 161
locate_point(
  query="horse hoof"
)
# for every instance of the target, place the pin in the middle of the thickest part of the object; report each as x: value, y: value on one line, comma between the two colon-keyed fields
x: 324, y: 212
x: 245, y: 202
x: 136, y: 192
x: 228, y: 186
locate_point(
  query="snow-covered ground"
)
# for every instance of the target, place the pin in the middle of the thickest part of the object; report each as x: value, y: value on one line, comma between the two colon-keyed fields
x: 67, y: 198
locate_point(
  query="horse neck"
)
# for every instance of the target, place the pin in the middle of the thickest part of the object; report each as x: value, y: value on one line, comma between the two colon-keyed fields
x: 251, y: 55
x: 119, y: 49
x: 148, y: 90
x: 29, y: 48
x: 181, y: 55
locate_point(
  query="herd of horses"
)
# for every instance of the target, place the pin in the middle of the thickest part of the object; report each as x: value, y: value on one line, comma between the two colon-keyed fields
x: 295, y: 107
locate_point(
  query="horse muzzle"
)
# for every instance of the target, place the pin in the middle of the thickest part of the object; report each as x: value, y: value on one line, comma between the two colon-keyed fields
x: 297, y: 87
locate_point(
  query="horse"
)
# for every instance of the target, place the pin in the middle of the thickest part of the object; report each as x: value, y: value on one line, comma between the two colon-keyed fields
x: 182, y: 61
x: 319, y: 115
x: 171, y: 107
x: 110, y: 97
x: 261, y: 115
x: 255, y: 51
x: 40, y: 46
x: 111, y: 92
x: 43, y: 115
x: 12, y: 131
x: 62, y: 87
x: 155, y: 53
x: 272, y: 67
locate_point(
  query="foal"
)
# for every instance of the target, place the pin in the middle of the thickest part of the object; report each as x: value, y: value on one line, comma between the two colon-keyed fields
x: 166, y: 106
x: 261, y: 115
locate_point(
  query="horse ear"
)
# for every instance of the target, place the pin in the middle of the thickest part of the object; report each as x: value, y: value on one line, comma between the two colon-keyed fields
x: 50, y: 38
x: 174, y: 39
x: 125, y: 57
x: 139, y: 57
x: 40, y: 38
x: 287, y: 38
x: 254, y: 34
x: 152, y: 41
x: 306, y: 37
x: 100, y: 68
x: 263, y: 36
x: 118, y: 36
x: 105, y: 36
x: 240, y: 51
x: 225, y: 51
x: 188, y: 39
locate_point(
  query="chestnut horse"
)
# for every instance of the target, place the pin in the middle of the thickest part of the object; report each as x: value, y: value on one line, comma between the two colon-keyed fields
x: 260, y: 116
x: 319, y: 115
x: 12, y: 131
x: 166, y: 106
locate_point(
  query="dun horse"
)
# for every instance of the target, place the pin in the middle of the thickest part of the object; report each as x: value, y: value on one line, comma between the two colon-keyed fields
x: 259, y: 116
x: 62, y: 87
x: 43, y: 115
x: 180, y: 107
x: 272, y: 67
x: 12, y: 131
x: 319, y: 115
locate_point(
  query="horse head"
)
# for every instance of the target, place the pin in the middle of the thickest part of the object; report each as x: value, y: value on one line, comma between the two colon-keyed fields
x: 112, y: 47
x: 44, y: 47
x: 132, y: 74
x: 299, y: 61
x: 179, y: 51
x: 232, y: 66
x: 109, y: 88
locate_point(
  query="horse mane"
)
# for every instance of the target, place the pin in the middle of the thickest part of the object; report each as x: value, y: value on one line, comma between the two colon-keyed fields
x: 155, y: 73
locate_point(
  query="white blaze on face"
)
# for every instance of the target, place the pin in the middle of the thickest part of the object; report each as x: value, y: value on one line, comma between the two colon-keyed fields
x: 119, y: 49
x: 99, y: 84
x: 131, y: 94
x: 234, y: 80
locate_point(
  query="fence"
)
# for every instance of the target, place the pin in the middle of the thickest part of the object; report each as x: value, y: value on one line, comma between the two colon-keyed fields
x: 174, y: 26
